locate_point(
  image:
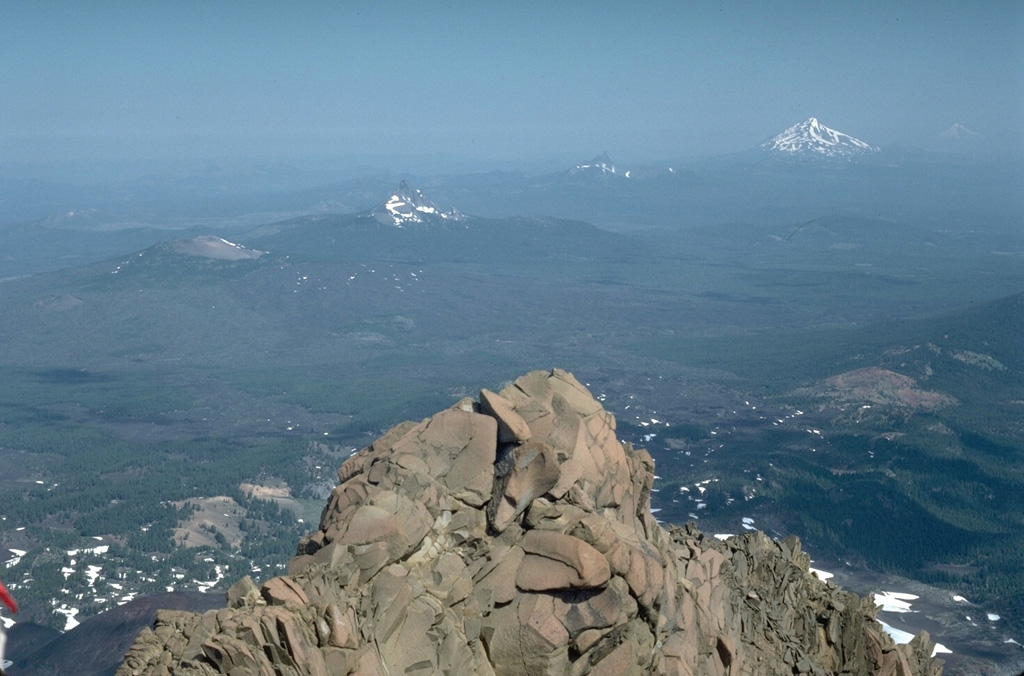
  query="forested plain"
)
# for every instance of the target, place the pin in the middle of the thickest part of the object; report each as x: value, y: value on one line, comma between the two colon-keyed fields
x: 135, y: 387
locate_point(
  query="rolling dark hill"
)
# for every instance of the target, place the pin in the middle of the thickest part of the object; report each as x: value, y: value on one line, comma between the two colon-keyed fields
x: 96, y: 646
x: 479, y: 242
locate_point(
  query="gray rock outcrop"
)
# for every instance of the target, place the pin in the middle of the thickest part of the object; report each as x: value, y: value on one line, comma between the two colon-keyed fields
x: 513, y: 537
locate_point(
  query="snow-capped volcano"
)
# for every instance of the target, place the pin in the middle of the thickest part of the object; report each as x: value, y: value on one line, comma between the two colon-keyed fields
x: 811, y: 138
x: 959, y: 139
x: 408, y: 205
x: 958, y: 132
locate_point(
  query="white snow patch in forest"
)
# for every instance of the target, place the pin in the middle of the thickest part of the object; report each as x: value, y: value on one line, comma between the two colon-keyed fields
x: 68, y: 612
x: 894, y: 602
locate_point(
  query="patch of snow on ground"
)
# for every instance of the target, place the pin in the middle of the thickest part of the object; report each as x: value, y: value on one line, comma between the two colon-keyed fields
x: 102, y: 549
x: 992, y: 617
x: 960, y: 599
x: 207, y: 586
x: 7, y: 622
x: 723, y: 536
x: 900, y: 636
x: 69, y: 613
x: 18, y: 553
x: 822, y: 574
x: 894, y: 602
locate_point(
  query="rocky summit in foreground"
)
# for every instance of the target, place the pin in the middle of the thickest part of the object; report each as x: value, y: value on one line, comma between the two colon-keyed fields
x: 513, y: 536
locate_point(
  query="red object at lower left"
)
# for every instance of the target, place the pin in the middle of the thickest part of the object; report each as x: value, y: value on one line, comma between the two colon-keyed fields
x: 5, y: 596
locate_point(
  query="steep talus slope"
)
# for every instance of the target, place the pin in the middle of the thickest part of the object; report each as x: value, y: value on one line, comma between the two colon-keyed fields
x: 513, y: 536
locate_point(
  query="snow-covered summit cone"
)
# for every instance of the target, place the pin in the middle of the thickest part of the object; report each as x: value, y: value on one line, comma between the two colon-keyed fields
x: 408, y: 205
x: 601, y: 164
x: 811, y: 138
x: 960, y: 139
x: 958, y: 132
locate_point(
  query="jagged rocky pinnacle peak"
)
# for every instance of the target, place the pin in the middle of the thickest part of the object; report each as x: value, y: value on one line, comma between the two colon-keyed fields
x: 408, y: 205
x: 512, y: 535
x: 601, y: 164
x: 810, y: 138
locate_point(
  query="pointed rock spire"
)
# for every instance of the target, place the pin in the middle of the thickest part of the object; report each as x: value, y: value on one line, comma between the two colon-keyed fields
x: 408, y: 205
x: 600, y: 164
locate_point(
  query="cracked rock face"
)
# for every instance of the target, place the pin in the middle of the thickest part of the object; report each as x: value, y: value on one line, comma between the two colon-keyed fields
x: 513, y: 537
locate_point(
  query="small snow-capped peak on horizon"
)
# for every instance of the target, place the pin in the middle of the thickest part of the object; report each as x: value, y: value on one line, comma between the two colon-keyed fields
x: 600, y: 164
x: 958, y: 132
x: 812, y: 138
x: 408, y: 205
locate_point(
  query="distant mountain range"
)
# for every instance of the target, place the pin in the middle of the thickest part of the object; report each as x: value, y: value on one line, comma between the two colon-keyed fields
x: 51, y: 225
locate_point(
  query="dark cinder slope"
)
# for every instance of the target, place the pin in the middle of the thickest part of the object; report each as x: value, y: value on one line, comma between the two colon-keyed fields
x: 95, y: 647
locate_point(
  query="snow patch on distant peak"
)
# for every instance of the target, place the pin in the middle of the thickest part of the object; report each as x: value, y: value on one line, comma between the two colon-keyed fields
x: 600, y: 164
x: 812, y: 138
x: 408, y: 205
x: 958, y: 132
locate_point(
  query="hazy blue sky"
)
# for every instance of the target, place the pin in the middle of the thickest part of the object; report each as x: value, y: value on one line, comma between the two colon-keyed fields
x: 516, y: 81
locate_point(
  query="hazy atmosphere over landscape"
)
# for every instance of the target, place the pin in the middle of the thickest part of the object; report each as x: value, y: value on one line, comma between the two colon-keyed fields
x: 518, y: 82
x: 710, y: 315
